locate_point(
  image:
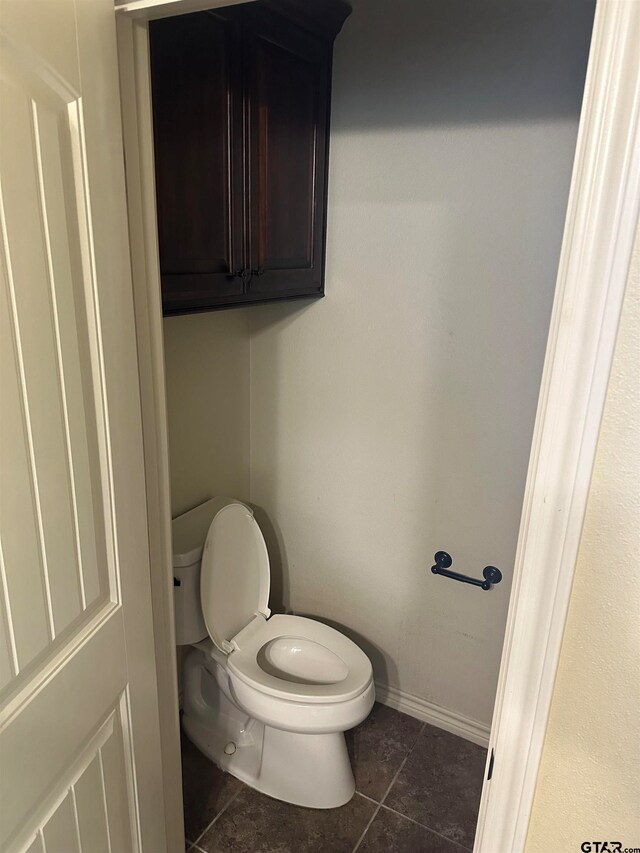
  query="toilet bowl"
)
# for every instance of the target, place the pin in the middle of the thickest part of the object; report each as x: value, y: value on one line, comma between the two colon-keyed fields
x: 267, y: 698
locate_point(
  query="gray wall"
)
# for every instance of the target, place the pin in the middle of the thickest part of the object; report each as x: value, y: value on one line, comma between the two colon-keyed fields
x: 394, y: 417
x: 207, y: 376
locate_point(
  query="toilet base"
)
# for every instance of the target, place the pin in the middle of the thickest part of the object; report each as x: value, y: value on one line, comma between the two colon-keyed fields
x: 311, y: 770
x: 317, y: 773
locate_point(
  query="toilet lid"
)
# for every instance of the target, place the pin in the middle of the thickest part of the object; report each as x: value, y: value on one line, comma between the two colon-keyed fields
x: 234, y: 576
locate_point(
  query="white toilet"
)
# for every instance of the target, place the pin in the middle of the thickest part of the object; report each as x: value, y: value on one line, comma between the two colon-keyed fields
x: 266, y: 699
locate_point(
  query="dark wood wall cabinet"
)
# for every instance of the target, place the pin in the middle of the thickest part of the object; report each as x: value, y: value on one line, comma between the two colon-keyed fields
x: 241, y: 98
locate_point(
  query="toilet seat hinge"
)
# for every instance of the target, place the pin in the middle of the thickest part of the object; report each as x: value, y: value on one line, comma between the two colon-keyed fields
x: 236, y: 642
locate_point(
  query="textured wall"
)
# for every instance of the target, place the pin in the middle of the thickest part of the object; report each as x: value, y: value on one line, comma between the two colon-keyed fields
x: 207, y: 374
x: 394, y: 417
x: 589, y: 778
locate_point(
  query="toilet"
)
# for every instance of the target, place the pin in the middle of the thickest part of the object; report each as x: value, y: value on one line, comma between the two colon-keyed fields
x: 266, y: 698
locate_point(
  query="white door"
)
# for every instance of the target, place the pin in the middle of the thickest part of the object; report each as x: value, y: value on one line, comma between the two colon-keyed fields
x: 79, y: 734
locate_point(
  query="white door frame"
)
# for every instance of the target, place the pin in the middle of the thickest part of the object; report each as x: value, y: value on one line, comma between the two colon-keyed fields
x: 135, y: 92
x: 601, y: 221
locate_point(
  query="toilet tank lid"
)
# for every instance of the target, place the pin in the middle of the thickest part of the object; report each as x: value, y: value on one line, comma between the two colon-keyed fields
x: 189, y: 531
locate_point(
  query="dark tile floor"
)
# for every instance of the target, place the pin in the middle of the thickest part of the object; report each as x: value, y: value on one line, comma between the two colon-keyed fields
x: 417, y: 791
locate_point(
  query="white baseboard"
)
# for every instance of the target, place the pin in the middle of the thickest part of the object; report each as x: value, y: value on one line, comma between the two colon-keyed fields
x: 442, y: 718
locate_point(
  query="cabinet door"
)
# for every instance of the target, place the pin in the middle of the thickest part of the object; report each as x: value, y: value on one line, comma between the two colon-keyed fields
x: 288, y: 79
x: 197, y: 109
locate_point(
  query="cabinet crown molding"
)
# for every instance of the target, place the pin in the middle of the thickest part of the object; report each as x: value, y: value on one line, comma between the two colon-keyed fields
x: 323, y: 17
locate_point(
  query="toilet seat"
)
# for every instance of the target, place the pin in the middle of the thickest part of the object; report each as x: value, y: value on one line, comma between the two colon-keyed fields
x: 234, y: 574
x: 292, y: 672
x: 291, y: 658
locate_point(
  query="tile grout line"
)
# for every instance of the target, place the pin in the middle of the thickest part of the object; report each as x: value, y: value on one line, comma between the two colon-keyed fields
x: 388, y: 791
x: 366, y: 829
x: 424, y: 826
x: 367, y: 797
x: 221, y: 812
x: 395, y: 778
x: 404, y: 761
x: 384, y: 796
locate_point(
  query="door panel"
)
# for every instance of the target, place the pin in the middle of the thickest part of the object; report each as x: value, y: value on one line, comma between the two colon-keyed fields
x: 53, y: 537
x: 288, y: 71
x: 287, y: 89
x: 90, y: 813
x: 79, y: 729
x: 90, y: 799
x: 59, y: 833
x: 197, y: 110
x: 48, y: 764
x: 36, y: 357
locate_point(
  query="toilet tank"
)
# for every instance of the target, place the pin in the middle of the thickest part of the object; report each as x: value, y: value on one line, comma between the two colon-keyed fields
x: 189, y: 532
